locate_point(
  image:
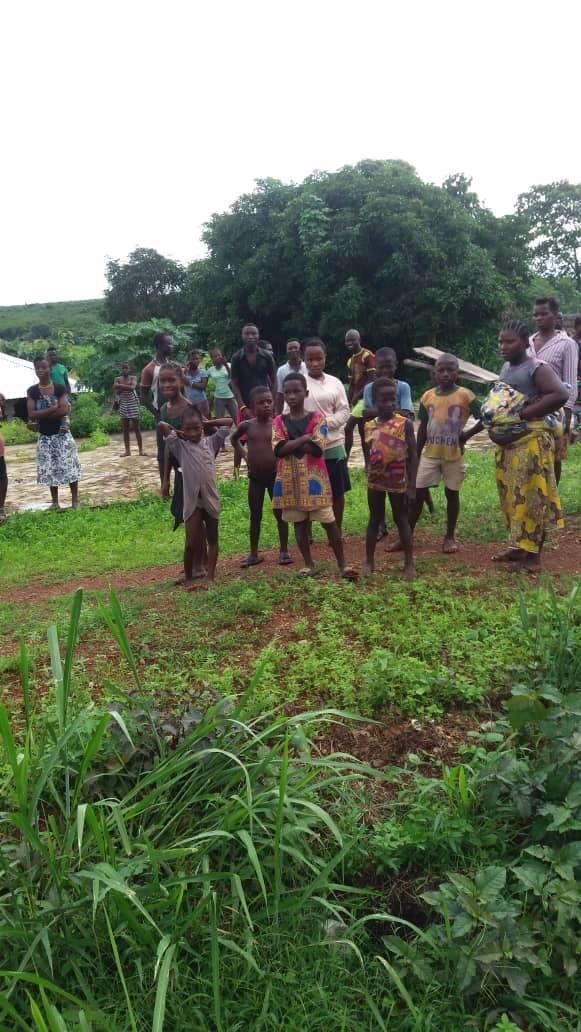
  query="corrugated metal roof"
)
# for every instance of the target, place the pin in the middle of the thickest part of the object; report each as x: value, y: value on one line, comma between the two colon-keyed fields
x: 16, y: 376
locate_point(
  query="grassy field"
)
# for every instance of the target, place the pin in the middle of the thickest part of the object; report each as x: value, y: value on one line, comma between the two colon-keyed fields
x: 183, y: 841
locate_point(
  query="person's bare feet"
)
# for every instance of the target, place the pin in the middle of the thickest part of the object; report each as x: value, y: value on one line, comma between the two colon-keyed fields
x: 449, y: 546
x: 367, y: 569
x: 396, y: 546
x: 409, y: 571
x: 200, y: 585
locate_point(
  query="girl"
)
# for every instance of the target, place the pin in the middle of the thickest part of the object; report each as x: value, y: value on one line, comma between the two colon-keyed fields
x: 392, y: 471
x: 525, y: 453
x: 219, y: 372
x: 125, y: 395
x: 196, y: 381
x: 196, y: 455
x: 56, y: 453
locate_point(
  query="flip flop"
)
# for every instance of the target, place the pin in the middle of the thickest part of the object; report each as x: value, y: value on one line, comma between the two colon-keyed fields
x: 251, y: 560
x: 285, y: 559
x: 449, y: 547
x: 508, y: 555
x: 307, y: 571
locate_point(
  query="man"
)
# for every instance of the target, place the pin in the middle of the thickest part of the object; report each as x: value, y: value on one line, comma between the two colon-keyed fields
x: 150, y: 395
x: 58, y: 372
x: 559, y: 351
x: 250, y: 367
x: 294, y: 364
x: 361, y: 368
x: 577, y: 409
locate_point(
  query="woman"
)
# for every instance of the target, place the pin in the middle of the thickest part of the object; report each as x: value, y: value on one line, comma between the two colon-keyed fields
x: 56, y: 453
x: 523, y: 425
x: 125, y: 392
x: 196, y: 381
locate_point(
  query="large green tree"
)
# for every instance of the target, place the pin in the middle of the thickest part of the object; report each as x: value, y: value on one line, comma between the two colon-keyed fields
x: 133, y: 343
x: 553, y: 213
x: 146, y: 286
x: 371, y: 246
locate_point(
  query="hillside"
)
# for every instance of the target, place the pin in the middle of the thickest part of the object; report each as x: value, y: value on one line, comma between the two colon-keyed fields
x: 82, y: 318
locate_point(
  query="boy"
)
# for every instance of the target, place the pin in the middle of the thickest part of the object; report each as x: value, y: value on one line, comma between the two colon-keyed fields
x: 196, y: 455
x: 3, y: 473
x: 361, y: 366
x: 259, y: 458
x: 392, y: 472
x: 444, y: 411
x: 302, y: 489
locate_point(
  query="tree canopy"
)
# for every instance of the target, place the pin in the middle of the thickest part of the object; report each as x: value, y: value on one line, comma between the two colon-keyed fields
x: 372, y: 246
x: 553, y: 213
x: 146, y: 286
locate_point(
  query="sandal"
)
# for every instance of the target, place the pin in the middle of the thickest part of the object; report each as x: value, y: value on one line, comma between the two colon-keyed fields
x: 285, y: 559
x: 251, y: 560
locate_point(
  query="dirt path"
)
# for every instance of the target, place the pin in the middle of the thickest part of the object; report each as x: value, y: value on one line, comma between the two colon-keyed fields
x: 109, y: 477
x: 474, y: 558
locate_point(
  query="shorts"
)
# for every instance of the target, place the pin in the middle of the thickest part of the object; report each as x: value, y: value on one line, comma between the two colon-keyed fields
x: 3, y: 473
x: 226, y: 405
x: 431, y: 471
x: 324, y: 515
x: 339, y: 477
x: 266, y: 483
x: 561, y: 447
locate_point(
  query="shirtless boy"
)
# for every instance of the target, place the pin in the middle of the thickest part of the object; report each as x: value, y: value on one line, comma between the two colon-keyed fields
x: 261, y: 463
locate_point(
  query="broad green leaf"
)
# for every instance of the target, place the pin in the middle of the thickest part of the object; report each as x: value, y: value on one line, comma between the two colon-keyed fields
x: 490, y: 882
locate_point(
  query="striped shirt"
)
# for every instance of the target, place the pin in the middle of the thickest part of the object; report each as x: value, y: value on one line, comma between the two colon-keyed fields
x: 560, y: 353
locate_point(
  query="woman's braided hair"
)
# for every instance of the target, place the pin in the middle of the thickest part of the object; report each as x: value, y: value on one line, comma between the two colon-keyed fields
x: 520, y: 328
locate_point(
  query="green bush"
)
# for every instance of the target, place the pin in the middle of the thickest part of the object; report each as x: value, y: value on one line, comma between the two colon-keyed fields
x: 111, y: 424
x: 85, y: 415
x: 17, y: 432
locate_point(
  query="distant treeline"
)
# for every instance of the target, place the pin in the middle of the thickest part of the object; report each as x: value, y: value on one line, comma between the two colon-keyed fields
x: 44, y: 321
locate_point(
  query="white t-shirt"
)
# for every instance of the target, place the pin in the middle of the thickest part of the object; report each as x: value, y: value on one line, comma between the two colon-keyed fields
x: 284, y: 371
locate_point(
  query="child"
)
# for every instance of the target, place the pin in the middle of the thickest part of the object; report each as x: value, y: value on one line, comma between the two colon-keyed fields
x: 302, y: 489
x: 361, y: 366
x: 444, y: 411
x: 385, y: 366
x: 196, y: 455
x: 392, y: 471
x: 219, y: 373
x: 196, y: 381
x: 125, y: 392
x: 261, y: 463
x: 3, y: 473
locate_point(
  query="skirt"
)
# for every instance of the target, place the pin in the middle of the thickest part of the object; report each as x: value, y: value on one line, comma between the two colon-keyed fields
x: 529, y: 499
x: 129, y: 407
x: 57, y: 460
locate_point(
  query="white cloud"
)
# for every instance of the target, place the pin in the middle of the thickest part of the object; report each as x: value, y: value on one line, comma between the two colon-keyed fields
x: 127, y: 124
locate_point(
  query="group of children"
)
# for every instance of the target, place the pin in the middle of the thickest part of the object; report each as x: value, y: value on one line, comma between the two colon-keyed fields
x: 285, y: 455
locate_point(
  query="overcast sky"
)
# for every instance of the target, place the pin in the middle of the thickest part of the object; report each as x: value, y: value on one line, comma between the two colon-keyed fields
x: 127, y: 124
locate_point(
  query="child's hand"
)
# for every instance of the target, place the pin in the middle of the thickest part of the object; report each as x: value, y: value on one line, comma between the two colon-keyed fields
x: 411, y: 492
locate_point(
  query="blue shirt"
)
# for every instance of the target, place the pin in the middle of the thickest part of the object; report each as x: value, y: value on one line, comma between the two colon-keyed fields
x: 404, y: 396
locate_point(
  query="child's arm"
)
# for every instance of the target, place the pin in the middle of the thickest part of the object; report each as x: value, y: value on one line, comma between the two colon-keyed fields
x: 239, y: 432
x: 467, y: 434
x: 283, y: 448
x: 165, y: 428
x: 211, y: 425
x: 423, y: 429
x: 412, y: 458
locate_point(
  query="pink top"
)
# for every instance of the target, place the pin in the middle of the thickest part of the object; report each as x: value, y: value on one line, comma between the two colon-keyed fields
x: 560, y: 353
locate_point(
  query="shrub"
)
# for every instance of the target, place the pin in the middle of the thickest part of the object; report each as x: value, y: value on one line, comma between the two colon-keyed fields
x: 111, y: 424
x: 85, y: 415
x: 17, y: 432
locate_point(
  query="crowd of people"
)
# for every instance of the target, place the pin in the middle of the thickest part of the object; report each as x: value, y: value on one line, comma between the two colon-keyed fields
x: 294, y: 429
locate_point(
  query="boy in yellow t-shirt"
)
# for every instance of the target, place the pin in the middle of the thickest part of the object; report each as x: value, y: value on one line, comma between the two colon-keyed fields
x: 443, y: 413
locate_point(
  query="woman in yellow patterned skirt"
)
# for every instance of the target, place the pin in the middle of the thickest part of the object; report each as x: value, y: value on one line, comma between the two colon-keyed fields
x: 525, y: 437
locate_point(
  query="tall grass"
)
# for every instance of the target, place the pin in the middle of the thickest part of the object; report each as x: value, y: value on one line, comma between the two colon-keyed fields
x: 146, y: 907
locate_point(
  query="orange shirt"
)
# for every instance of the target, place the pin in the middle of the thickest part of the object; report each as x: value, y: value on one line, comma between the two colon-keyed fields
x: 359, y: 365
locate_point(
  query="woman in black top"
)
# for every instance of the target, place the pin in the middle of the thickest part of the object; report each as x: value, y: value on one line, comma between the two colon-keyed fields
x: 56, y: 454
